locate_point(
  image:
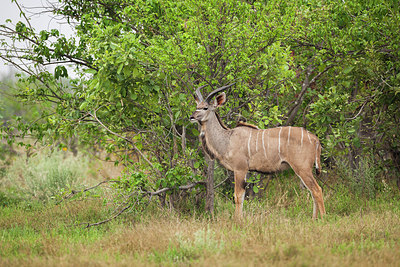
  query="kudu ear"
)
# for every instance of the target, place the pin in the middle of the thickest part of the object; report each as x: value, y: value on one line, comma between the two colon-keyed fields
x: 221, y: 99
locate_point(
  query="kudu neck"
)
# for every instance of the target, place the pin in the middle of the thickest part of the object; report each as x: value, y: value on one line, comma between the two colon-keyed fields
x: 216, y: 135
x: 214, y: 124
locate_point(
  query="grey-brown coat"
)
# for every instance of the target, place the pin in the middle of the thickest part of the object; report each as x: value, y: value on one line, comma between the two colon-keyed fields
x: 247, y: 148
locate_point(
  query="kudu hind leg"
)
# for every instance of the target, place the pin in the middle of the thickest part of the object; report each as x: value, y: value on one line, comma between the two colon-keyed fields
x: 239, y: 193
x: 316, y: 192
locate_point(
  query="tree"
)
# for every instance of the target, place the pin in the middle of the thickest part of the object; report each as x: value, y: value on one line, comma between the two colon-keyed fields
x: 137, y: 66
x: 332, y: 68
x: 355, y: 46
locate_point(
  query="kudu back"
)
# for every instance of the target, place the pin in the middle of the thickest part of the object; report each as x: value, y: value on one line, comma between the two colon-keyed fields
x: 247, y: 148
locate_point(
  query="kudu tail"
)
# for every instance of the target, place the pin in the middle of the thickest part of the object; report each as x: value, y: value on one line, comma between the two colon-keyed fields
x: 318, y: 159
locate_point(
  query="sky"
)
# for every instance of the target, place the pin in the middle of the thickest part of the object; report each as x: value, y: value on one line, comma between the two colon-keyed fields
x: 44, y: 21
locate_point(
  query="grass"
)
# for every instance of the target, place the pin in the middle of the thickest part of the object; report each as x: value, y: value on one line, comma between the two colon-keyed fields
x: 277, y: 231
x: 268, y: 236
x: 44, y: 176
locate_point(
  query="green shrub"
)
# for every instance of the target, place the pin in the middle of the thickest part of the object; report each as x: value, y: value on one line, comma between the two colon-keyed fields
x: 364, y: 179
x: 42, y: 176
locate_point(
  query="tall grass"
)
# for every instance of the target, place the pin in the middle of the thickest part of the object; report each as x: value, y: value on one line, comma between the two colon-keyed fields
x: 277, y: 229
x: 268, y: 236
x: 365, y: 179
x: 45, y: 175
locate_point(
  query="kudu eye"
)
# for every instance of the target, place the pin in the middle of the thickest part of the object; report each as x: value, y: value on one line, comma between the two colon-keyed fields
x: 205, y: 108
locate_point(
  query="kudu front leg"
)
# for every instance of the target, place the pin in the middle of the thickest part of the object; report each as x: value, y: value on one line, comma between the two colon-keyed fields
x: 240, y: 182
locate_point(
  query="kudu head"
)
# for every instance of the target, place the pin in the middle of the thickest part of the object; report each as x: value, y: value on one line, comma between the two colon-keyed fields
x: 206, y: 106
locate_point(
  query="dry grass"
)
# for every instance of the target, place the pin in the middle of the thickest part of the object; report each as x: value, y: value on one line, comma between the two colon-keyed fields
x: 266, y: 237
x: 278, y: 231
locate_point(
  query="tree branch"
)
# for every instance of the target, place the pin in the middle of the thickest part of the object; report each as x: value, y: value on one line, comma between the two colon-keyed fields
x: 126, y: 204
x: 74, y: 192
x: 182, y: 187
x: 126, y: 139
x: 291, y: 114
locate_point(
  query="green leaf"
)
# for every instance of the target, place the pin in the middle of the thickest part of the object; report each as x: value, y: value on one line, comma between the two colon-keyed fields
x: 348, y: 69
x: 60, y: 71
x: 83, y: 105
x: 90, y: 71
x: 255, y: 189
x: 177, y: 114
x: 120, y: 68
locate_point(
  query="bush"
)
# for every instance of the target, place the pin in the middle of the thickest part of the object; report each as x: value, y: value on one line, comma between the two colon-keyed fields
x: 43, y: 176
x: 364, y: 179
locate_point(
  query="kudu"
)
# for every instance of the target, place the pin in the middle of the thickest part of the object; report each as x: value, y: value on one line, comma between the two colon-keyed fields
x: 247, y: 148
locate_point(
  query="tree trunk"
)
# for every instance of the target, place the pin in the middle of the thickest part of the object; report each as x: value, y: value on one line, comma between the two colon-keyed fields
x: 210, y: 186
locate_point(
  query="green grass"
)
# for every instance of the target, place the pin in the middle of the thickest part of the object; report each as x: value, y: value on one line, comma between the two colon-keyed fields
x: 42, y: 177
x: 360, y: 229
x: 269, y: 235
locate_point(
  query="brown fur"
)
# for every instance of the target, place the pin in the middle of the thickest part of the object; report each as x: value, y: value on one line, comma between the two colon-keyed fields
x: 206, y: 148
x: 220, y: 122
x: 247, y: 148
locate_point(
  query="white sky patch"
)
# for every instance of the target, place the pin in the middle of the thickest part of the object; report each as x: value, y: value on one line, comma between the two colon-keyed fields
x: 39, y: 21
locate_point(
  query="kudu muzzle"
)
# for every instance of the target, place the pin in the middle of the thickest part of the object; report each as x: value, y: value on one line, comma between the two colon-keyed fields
x: 202, y: 104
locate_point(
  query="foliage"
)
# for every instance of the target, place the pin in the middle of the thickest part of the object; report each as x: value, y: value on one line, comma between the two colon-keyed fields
x: 364, y: 179
x: 355, y: 46
x: 124, y: 82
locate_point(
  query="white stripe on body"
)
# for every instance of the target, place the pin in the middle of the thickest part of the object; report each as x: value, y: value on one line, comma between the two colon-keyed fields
x: 257, y: 140
x: 309, y: 139
x: 279, y: 144
x: 248, y: 145
x: 265, y: 154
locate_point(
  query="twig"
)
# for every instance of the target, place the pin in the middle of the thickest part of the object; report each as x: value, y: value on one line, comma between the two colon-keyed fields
x: 359, y: 112
x: 127, y: 206
x: 218, y: 185
x: 182, y: 187
x: 324, y: 183
x: 224, y: 195
x: 126, y: 139
x: 107, y: 220
x: 74, y: 192
x: 23, y: 14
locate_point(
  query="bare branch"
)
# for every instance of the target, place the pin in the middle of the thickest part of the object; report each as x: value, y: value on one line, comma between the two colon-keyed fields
x: 291, y: 114
x: 182, y: 187
x: 23, y: 14
x: 74, y: 192
x: 359, y: 112
x: 221, y: 183
x: 88, y: 225
x: 126, y: 139
x: 126, y: 205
